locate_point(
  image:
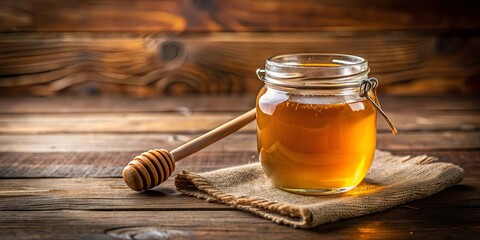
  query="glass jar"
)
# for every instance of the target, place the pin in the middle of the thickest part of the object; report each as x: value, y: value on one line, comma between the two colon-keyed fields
x: 316, y: 122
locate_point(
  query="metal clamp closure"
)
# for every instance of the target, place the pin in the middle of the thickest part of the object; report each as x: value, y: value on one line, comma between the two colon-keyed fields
x: 259, y: 72
x: 371, y: 84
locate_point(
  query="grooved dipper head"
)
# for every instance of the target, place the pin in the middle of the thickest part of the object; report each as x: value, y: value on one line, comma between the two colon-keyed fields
x: 148, y: 169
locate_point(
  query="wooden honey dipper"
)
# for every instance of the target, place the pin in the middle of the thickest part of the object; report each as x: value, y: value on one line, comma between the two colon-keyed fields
x: 153, y: 167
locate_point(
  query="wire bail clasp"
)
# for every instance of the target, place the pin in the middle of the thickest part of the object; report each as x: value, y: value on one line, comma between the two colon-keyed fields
x: 371, y: 84
x: 259, y: 73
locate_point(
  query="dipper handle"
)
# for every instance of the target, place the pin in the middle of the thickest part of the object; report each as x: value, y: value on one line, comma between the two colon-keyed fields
x: 153, y: 167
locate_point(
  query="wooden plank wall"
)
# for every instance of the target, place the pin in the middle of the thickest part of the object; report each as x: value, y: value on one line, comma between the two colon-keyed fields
x: 145, y: 48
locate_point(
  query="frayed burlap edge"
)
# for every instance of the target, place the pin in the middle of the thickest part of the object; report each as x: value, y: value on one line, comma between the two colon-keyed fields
x: 194, y: 185
x: 295, y: 216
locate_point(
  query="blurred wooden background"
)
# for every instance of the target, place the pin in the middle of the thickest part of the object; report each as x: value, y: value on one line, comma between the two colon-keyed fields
x: 147, y: 48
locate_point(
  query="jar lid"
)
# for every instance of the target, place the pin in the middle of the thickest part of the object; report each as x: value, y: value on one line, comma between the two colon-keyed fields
x: 315, y: 70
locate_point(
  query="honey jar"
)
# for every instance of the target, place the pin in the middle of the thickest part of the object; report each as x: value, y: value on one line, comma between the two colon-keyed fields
x: 316, y: 122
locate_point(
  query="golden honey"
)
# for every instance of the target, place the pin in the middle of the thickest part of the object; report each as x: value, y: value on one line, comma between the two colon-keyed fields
x: 310, y: 146
x: 316, y: 128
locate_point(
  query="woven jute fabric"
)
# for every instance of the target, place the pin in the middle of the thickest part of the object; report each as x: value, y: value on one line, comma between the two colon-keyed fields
x: 392, y: 180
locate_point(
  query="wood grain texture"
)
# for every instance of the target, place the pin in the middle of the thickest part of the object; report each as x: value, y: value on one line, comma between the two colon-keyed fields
x: 223, y: 63
x: 42, y: 198
x: 110, y: 164
x: 106, y: 164
x: 201, y: 122
x: 213, y: 104
x: 397, y: 223
x: 103, y: 194
x: 231, y: 15
x: 110, y: 142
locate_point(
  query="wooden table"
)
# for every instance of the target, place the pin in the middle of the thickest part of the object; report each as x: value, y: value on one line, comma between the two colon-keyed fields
x: 61, y: 160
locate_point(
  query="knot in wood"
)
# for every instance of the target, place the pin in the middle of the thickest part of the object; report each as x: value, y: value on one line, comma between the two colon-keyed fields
x: 170, y: 50
x: 204, y: 4
x: 145, y: 233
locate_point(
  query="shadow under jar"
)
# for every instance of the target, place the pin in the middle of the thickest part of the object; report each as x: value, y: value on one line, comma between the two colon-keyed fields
x: 316, y: 132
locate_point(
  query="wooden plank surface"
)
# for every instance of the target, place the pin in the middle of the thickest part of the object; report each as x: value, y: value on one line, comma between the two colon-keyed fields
x: 230, y: 15
x: 212, y: 104
x: 103, y: 194
x: 62, y: 180
x: 105, y: 164
x: 105, y: 142
x: 395, y: 224
x: 142, y: 65
x: 61, y: 158
x: 38, y: 115
x: 198, y: 122
x: 109, y: 206
x: 110, y: 164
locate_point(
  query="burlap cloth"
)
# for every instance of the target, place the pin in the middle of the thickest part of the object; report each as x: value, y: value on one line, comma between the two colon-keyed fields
x: 392, y: 180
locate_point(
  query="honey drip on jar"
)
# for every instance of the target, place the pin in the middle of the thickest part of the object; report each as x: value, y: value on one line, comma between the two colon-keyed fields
x: 305, y: 145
